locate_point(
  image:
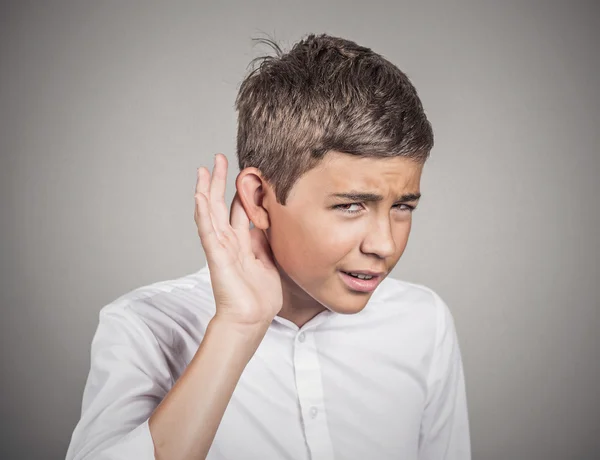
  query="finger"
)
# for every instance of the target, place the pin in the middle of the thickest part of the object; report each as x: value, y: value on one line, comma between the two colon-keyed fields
x: 202, y: 187
x: 240, y: 223
x: 238, y: 218
x: 217, y: 193
x: 206, y: 231
x: 203, y: 181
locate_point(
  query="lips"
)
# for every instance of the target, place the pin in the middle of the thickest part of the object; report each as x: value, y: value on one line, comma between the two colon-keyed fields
x: 364, y: 272
x: 356, y: 284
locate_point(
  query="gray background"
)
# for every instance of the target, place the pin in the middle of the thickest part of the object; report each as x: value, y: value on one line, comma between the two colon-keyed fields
x: 108, y: 108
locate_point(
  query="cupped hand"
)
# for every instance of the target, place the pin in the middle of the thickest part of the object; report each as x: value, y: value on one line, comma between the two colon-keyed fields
x: 245, y: 281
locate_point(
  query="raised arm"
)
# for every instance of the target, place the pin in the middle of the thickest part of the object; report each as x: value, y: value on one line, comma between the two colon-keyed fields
x: 130, y: 409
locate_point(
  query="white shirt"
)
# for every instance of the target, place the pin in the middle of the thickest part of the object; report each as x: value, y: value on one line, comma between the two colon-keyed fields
x: 384, y: 383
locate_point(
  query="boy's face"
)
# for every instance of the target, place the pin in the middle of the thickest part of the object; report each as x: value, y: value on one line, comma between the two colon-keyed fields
x: 313, y: 242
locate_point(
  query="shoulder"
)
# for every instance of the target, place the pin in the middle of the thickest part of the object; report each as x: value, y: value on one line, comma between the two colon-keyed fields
x: 165, y: 309
x: 398, y: 294
x: 433, y: 313
x: 413, y: 303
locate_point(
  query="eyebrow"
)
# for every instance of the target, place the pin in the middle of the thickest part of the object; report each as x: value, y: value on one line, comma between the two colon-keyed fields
x: 362, y: 196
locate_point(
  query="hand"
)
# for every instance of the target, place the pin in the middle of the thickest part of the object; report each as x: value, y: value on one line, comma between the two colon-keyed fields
x: 245, y: 280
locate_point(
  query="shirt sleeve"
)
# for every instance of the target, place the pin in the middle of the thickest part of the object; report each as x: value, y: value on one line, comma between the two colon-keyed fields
x: 128, y: 378
x: 444, y: 431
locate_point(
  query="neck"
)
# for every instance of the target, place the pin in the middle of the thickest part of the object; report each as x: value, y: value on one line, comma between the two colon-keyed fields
x: 298, y: 307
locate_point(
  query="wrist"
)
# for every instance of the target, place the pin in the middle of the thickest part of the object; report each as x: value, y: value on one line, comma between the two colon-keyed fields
x: 244, y: 331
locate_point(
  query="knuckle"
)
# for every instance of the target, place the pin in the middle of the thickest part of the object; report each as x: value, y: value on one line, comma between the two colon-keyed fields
x: 227, y: 234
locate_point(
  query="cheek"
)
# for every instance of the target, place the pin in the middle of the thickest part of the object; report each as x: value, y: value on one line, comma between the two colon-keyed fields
x: 308, y: 249
x: 401, y: 238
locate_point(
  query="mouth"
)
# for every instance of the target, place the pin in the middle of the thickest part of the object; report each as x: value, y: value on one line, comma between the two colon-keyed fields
x: 361, y: 285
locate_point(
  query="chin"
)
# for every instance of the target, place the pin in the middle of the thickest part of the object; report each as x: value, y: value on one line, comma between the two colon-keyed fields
x: 347, y: 303
x: 348, y: 308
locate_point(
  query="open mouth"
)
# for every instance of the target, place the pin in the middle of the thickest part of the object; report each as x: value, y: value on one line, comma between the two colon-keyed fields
x: 360, y: 283
x: 359, y: 276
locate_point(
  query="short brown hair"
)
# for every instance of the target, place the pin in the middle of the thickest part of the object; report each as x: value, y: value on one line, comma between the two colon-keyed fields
x: 326, y: 93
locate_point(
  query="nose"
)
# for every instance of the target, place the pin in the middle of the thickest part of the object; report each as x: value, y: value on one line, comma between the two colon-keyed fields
x: 379, y: 239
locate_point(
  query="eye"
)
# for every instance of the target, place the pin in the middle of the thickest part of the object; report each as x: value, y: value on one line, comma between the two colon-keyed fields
x: 344, y: 207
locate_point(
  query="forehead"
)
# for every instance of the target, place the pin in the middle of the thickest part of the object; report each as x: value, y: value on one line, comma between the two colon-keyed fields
x: 342, y: 172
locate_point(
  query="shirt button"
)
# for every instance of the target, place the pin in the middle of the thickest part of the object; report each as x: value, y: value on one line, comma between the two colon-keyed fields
x: 313, y: 412
x: 301, y: 337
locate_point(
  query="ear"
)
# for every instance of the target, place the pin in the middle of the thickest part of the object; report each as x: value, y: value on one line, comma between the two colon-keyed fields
x: 251, y: 189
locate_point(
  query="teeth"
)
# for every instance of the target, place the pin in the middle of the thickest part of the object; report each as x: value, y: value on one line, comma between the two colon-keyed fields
x: 362, y: 277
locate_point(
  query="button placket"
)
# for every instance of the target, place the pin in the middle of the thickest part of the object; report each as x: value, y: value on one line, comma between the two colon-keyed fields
x: 310, y: 394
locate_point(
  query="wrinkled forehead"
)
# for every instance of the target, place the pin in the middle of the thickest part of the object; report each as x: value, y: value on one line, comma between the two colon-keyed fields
x: 340, y: 172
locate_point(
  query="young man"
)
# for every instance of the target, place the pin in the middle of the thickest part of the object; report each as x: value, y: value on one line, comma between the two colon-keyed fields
x: 280, y: 347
